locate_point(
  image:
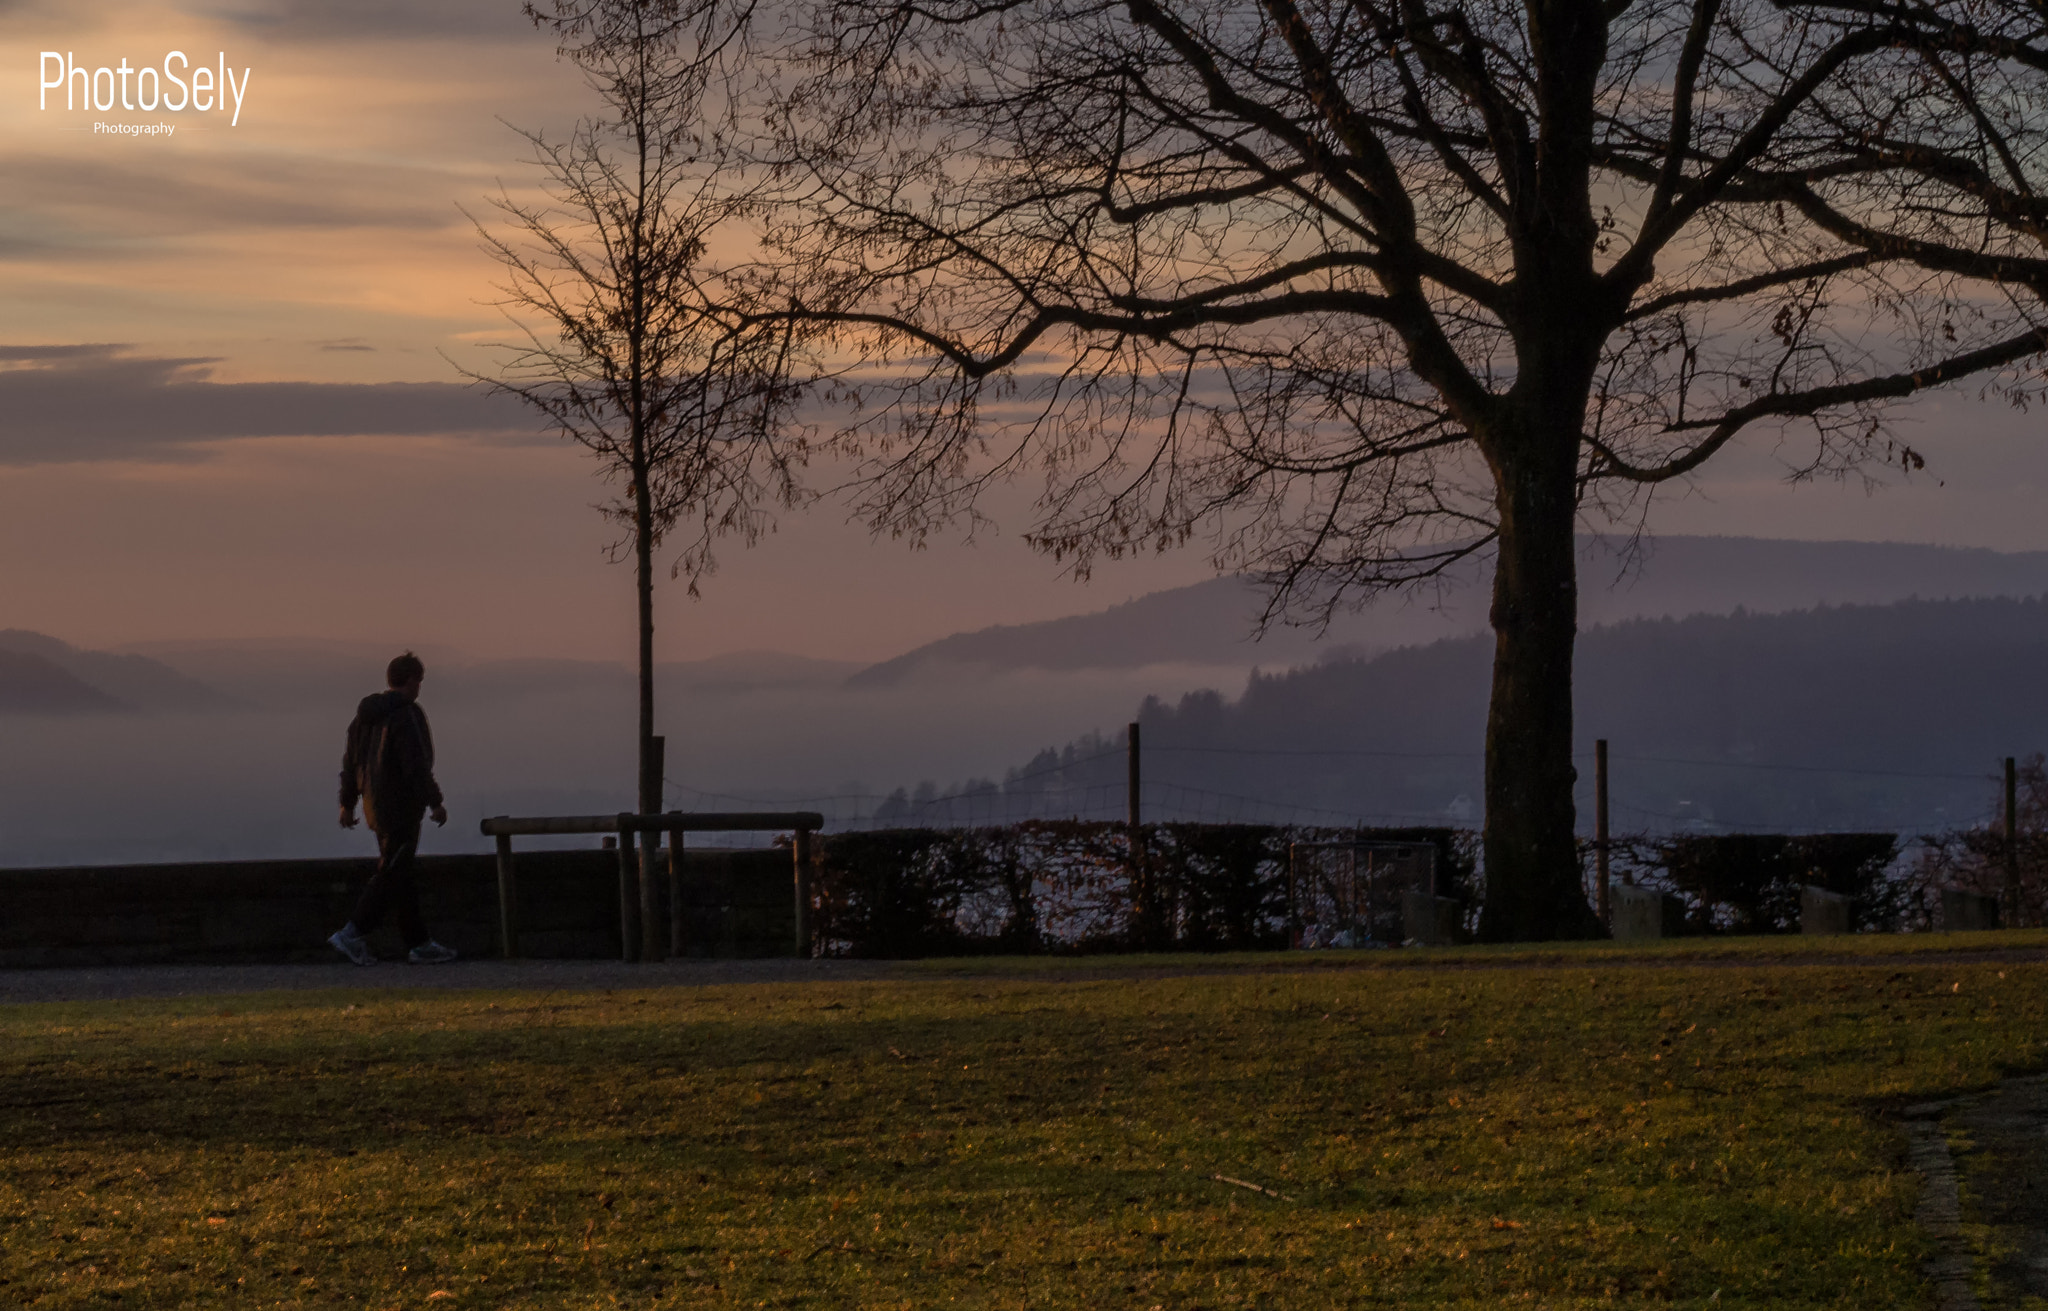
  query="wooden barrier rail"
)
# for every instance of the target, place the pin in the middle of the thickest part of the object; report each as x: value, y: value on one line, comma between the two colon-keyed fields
x: 638, y: 902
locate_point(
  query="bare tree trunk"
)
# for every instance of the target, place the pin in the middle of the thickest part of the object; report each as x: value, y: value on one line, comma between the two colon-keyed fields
x: 643, y: 580
x: 612, y: 260
x: 649, y: 946
x: 1533, y: 887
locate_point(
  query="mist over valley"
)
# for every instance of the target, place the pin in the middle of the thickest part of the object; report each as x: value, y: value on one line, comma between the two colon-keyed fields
x: 1730, y: 699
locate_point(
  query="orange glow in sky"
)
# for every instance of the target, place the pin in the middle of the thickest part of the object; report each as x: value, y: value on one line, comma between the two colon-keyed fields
x: 320, y: 239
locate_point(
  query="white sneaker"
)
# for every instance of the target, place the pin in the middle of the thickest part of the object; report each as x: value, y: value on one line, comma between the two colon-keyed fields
x: 352, y: 945
x: 431, y: 952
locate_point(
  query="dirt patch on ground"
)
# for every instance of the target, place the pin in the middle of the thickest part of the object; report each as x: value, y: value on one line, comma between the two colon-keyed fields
x: 2000, y: 1142
x: 1983, y: 1165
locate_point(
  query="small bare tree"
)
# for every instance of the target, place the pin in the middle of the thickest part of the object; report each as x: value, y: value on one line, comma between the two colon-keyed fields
x: 605, y: 277
x: 1367, y: 287
x: 2010, y: 867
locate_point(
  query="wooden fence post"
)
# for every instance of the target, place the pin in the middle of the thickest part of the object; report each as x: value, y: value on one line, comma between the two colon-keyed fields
x: 508, y: 901
x: 653, y: 929
x: 678, y: 927
x: 1150, y: 913
x: 1131, y: 783
x: 1293, y: 901
x: 652, y: 944
x: 2012, y: 844
x: 629, y: 898
x: 800, y: 846
x: 1600, y: 825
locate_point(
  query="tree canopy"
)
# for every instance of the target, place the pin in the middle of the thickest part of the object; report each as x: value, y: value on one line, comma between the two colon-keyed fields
x: 1356, y: 290
x: 630, y: 344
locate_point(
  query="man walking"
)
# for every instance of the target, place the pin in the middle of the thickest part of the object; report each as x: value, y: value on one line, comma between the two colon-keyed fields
x: 389, y: 765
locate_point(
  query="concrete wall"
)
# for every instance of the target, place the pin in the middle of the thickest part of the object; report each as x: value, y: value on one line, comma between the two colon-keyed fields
x: 1636, y: 914
x: 1821, y: 911
x: 1431, y: 921
x: 736, y: 903
x: 1963, y: 911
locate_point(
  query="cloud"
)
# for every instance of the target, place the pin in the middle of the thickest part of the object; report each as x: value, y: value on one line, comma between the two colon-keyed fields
x: 130, y: 194
x: 69, y: 404
x: 376, y: 20
x: 59, y: 354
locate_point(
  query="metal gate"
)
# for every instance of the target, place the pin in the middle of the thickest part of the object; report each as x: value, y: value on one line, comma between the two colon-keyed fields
x: 1348, y: 894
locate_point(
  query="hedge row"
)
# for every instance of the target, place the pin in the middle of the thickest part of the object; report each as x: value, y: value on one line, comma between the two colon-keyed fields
x: 1074, y: 886
x: 1743, y: 883
x: 1750, y: 882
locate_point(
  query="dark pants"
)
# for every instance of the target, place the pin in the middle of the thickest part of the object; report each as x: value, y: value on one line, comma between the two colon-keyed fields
x: 393, y: 888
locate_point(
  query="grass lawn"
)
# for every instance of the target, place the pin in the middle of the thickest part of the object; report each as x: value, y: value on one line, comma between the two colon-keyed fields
x: 1571, y: 1129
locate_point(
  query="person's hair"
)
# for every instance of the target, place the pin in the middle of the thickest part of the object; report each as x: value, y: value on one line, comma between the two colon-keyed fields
x: 403, y: 669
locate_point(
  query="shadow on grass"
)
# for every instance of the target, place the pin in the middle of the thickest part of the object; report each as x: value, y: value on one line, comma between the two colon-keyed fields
x: 1460, y: 1137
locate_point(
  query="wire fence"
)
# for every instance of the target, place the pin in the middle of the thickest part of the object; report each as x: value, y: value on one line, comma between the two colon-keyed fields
x: 1651, y: 796
x: 1165, y: 802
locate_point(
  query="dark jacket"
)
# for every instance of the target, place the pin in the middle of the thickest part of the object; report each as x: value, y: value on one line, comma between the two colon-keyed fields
x: 389, y: 762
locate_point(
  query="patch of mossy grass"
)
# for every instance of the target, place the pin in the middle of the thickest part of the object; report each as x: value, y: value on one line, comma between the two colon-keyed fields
x: 1562, y: 1133
x: 1670, y: 950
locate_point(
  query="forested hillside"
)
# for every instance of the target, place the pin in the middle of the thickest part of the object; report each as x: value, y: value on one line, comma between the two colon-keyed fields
x: 1891, y: 716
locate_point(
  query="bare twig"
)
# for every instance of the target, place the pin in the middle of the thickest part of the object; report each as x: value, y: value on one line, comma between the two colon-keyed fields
x: 1241, y: 1183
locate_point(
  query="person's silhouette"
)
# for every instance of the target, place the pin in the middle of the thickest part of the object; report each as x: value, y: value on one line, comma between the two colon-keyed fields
x: 389, y: 766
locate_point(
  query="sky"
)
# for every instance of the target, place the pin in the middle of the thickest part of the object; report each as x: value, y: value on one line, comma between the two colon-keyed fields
x: 230, y: 368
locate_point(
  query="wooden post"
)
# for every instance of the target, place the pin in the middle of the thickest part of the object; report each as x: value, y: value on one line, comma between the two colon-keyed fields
x: 629, y: 896
x: 1600, y: 825
x: 800, y: 846
x: 1131, y: 791
x: 508, y: 901
x: 678, y: 925
x: 1293, y: 901
x: 1142, y: 893
x: 652, y: 939
x: 1353, y: 907
x: 2012, y: 844
x: 654, y: 932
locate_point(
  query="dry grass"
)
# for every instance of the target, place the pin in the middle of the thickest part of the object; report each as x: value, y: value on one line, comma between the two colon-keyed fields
x: 1555, y: 1135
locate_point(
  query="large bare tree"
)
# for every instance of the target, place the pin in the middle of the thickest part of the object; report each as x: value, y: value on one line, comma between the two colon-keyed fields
x: 607, y: 276
x: 1364, y: 288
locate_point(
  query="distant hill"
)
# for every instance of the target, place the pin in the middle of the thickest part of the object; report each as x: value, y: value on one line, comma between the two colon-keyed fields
x: 753, y: 671
x: 282, y: 673
x: 129, y: 682
x: 1858, y: 716
x: 1206, y: 623
x: 310, y: 673
x: 35, y: 685
x: 503, y: 681
x: 1212, y: 623
x: 1881, y: 717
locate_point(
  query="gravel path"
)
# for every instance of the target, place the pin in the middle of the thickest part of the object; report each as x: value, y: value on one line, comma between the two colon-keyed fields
x: 115, y: 982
